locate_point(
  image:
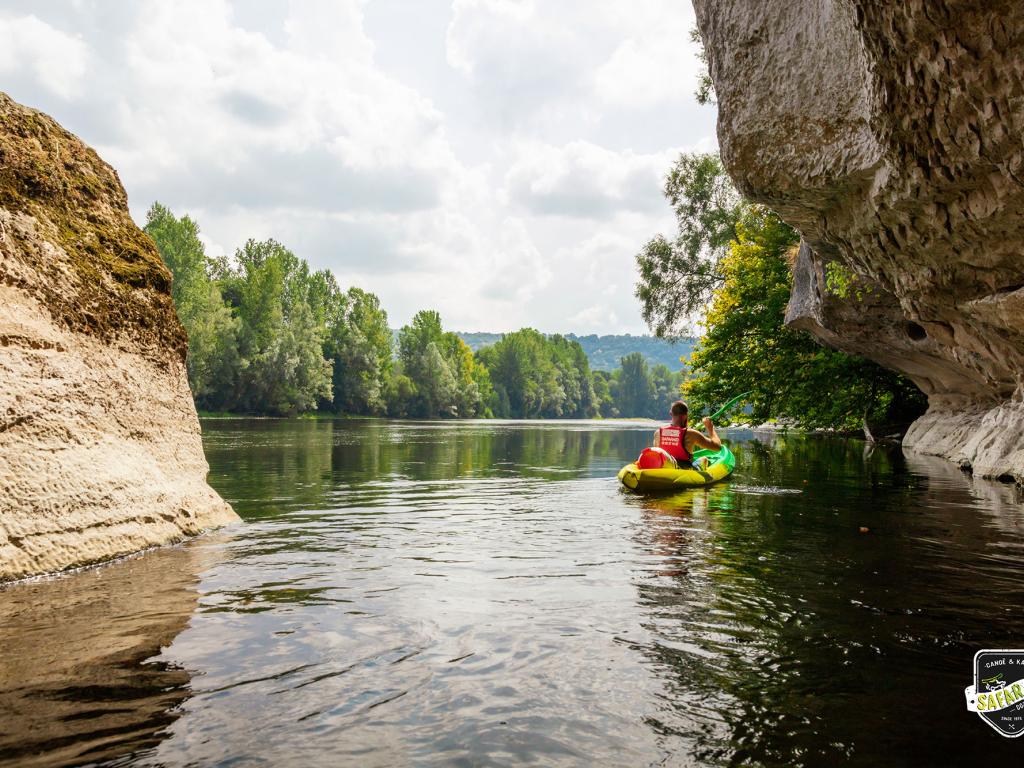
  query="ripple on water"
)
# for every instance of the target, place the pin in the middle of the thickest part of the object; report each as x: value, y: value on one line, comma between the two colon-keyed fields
x: 438, y: 594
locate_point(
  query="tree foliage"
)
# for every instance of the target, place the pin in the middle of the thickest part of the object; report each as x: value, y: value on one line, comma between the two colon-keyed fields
x: 536, y: 376
x: 635, y: 389
x: 358, y: 344
x: 605, y: 352
x: 211, y: 327
x: 705, y: 93
x: 281, y: 306
x: 265, y: 332
x: 679, y: 276
x: 745, y: 344
x: 747, y: 347
x: 269, y: 335
x: 444, y: 378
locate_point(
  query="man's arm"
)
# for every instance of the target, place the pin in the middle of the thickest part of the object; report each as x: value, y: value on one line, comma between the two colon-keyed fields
x: 657, y: 438
x: 712, y: 442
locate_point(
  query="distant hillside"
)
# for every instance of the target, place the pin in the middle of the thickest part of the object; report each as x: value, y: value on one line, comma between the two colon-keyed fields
x: 604, y: 352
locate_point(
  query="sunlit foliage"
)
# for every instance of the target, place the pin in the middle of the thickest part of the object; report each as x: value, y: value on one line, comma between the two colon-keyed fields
x: 728, y: 266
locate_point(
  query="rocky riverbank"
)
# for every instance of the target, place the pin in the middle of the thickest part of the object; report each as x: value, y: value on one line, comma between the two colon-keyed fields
x: 100, y: 451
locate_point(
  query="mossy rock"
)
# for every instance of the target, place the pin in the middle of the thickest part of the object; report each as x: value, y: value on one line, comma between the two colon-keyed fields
x: 104, y: 277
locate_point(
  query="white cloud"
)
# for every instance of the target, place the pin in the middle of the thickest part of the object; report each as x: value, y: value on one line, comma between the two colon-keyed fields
x: 585, y: 180
x: 57, y: 60
x: 596, y: 316
x: 212, y: 247
x: 480, y: 32
x: 511, y: 186
x: 526, y: 62
x: 278, y: 127
x: 654, y: 63
x: 636, y: 75
x: 544, y: 64
x: 516, y: 270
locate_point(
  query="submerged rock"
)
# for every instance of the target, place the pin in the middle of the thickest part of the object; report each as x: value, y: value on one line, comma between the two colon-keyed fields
x: 890, y: 135
x: 100, y: 451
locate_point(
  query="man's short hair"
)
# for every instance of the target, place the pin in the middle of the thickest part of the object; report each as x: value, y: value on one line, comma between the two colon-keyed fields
x: 679, y: 408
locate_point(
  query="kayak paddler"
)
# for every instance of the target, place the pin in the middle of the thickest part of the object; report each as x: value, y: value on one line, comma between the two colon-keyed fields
x: 679, y: 441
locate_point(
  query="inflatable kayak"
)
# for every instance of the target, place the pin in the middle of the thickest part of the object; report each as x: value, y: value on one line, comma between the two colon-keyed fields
x: 719, y: 466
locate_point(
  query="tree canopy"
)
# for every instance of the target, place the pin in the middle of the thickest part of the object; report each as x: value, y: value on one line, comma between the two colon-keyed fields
x: 729, y: 264
x: 442, y: 377
x: 537, y: 376
x: 679, y: 276
x: 266, y: 333
x: 270, y: 335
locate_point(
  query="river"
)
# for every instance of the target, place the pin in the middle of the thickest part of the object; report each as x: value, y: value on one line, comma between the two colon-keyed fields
x: 484, y: 593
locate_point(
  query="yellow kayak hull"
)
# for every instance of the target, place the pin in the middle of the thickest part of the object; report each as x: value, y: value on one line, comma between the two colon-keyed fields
x: 720, y: 465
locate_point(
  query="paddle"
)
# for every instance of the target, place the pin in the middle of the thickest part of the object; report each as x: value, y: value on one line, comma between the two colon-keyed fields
x: 715, y: 415
x: 728, y: 405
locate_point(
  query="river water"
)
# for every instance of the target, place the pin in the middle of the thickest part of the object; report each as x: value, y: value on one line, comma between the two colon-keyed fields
x: 484, y: 593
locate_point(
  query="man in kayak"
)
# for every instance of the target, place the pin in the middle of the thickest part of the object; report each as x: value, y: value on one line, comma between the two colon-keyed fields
x: 679, y: 441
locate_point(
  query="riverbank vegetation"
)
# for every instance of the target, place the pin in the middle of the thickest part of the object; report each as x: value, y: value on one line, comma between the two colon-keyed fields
x: 605, y: 353
x: 729, y: 265
x: 268, y: 335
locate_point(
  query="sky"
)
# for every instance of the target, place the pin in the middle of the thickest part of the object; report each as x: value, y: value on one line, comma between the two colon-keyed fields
x: 500, y: 161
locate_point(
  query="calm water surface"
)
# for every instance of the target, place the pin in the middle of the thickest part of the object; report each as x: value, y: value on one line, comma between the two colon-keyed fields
x: 485, y: 594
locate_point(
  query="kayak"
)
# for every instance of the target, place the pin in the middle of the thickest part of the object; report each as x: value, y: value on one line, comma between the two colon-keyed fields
x: 719, y: 466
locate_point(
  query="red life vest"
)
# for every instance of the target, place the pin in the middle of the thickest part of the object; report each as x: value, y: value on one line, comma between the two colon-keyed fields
x: 673, y: 440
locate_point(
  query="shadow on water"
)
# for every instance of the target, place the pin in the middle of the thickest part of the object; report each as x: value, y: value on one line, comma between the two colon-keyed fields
x: 786, y: 635
x: 81, y: 676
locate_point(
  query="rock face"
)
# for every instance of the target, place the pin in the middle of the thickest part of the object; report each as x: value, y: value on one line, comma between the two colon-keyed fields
x: 100, y: 451
x: 892, y: 136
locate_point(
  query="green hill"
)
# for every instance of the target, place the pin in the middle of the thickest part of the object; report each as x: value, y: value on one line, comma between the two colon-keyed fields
x: 604, y: 352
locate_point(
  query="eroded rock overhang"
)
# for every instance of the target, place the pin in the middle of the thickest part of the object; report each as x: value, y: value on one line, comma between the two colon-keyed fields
x: 892, y: 136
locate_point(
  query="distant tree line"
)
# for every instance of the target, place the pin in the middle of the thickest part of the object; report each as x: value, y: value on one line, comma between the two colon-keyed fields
x: 268, y: 335
x: 605, y: 353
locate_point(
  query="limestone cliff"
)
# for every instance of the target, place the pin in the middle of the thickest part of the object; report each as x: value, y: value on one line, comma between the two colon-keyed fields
x: 100, y: 451
x: 892, y: 136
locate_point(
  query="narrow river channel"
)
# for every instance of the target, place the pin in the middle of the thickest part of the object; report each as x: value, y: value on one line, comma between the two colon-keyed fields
x: 484, y: 593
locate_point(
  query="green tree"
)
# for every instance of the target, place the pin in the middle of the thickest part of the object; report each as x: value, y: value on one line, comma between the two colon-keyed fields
x: 636, y: 390
x: 281, y: 306
x: 523, y: 374
x: 535, y: 376
x: 729, y: 260
x: 604, y: 399
x: 413, y: 339
x: 573, y: 372
x: 399, y: 393
x: 705, y: 92
x: 212, y: 330
x: 745, y: 346
x: 666, y: 386
x: 485, y: 388
x: 446, y: 378
x: 679, y: 276
x: 436, y: 387
x: 472, y: 380
x: 359, y: 346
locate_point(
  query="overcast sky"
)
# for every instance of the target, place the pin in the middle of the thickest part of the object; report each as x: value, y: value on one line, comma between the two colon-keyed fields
x: 498, y: 160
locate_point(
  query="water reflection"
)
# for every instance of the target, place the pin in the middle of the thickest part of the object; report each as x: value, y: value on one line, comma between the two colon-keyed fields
x: 788, y: 636
x: 81, y: 677
x: 486, y: 594
x: 277, y: 466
